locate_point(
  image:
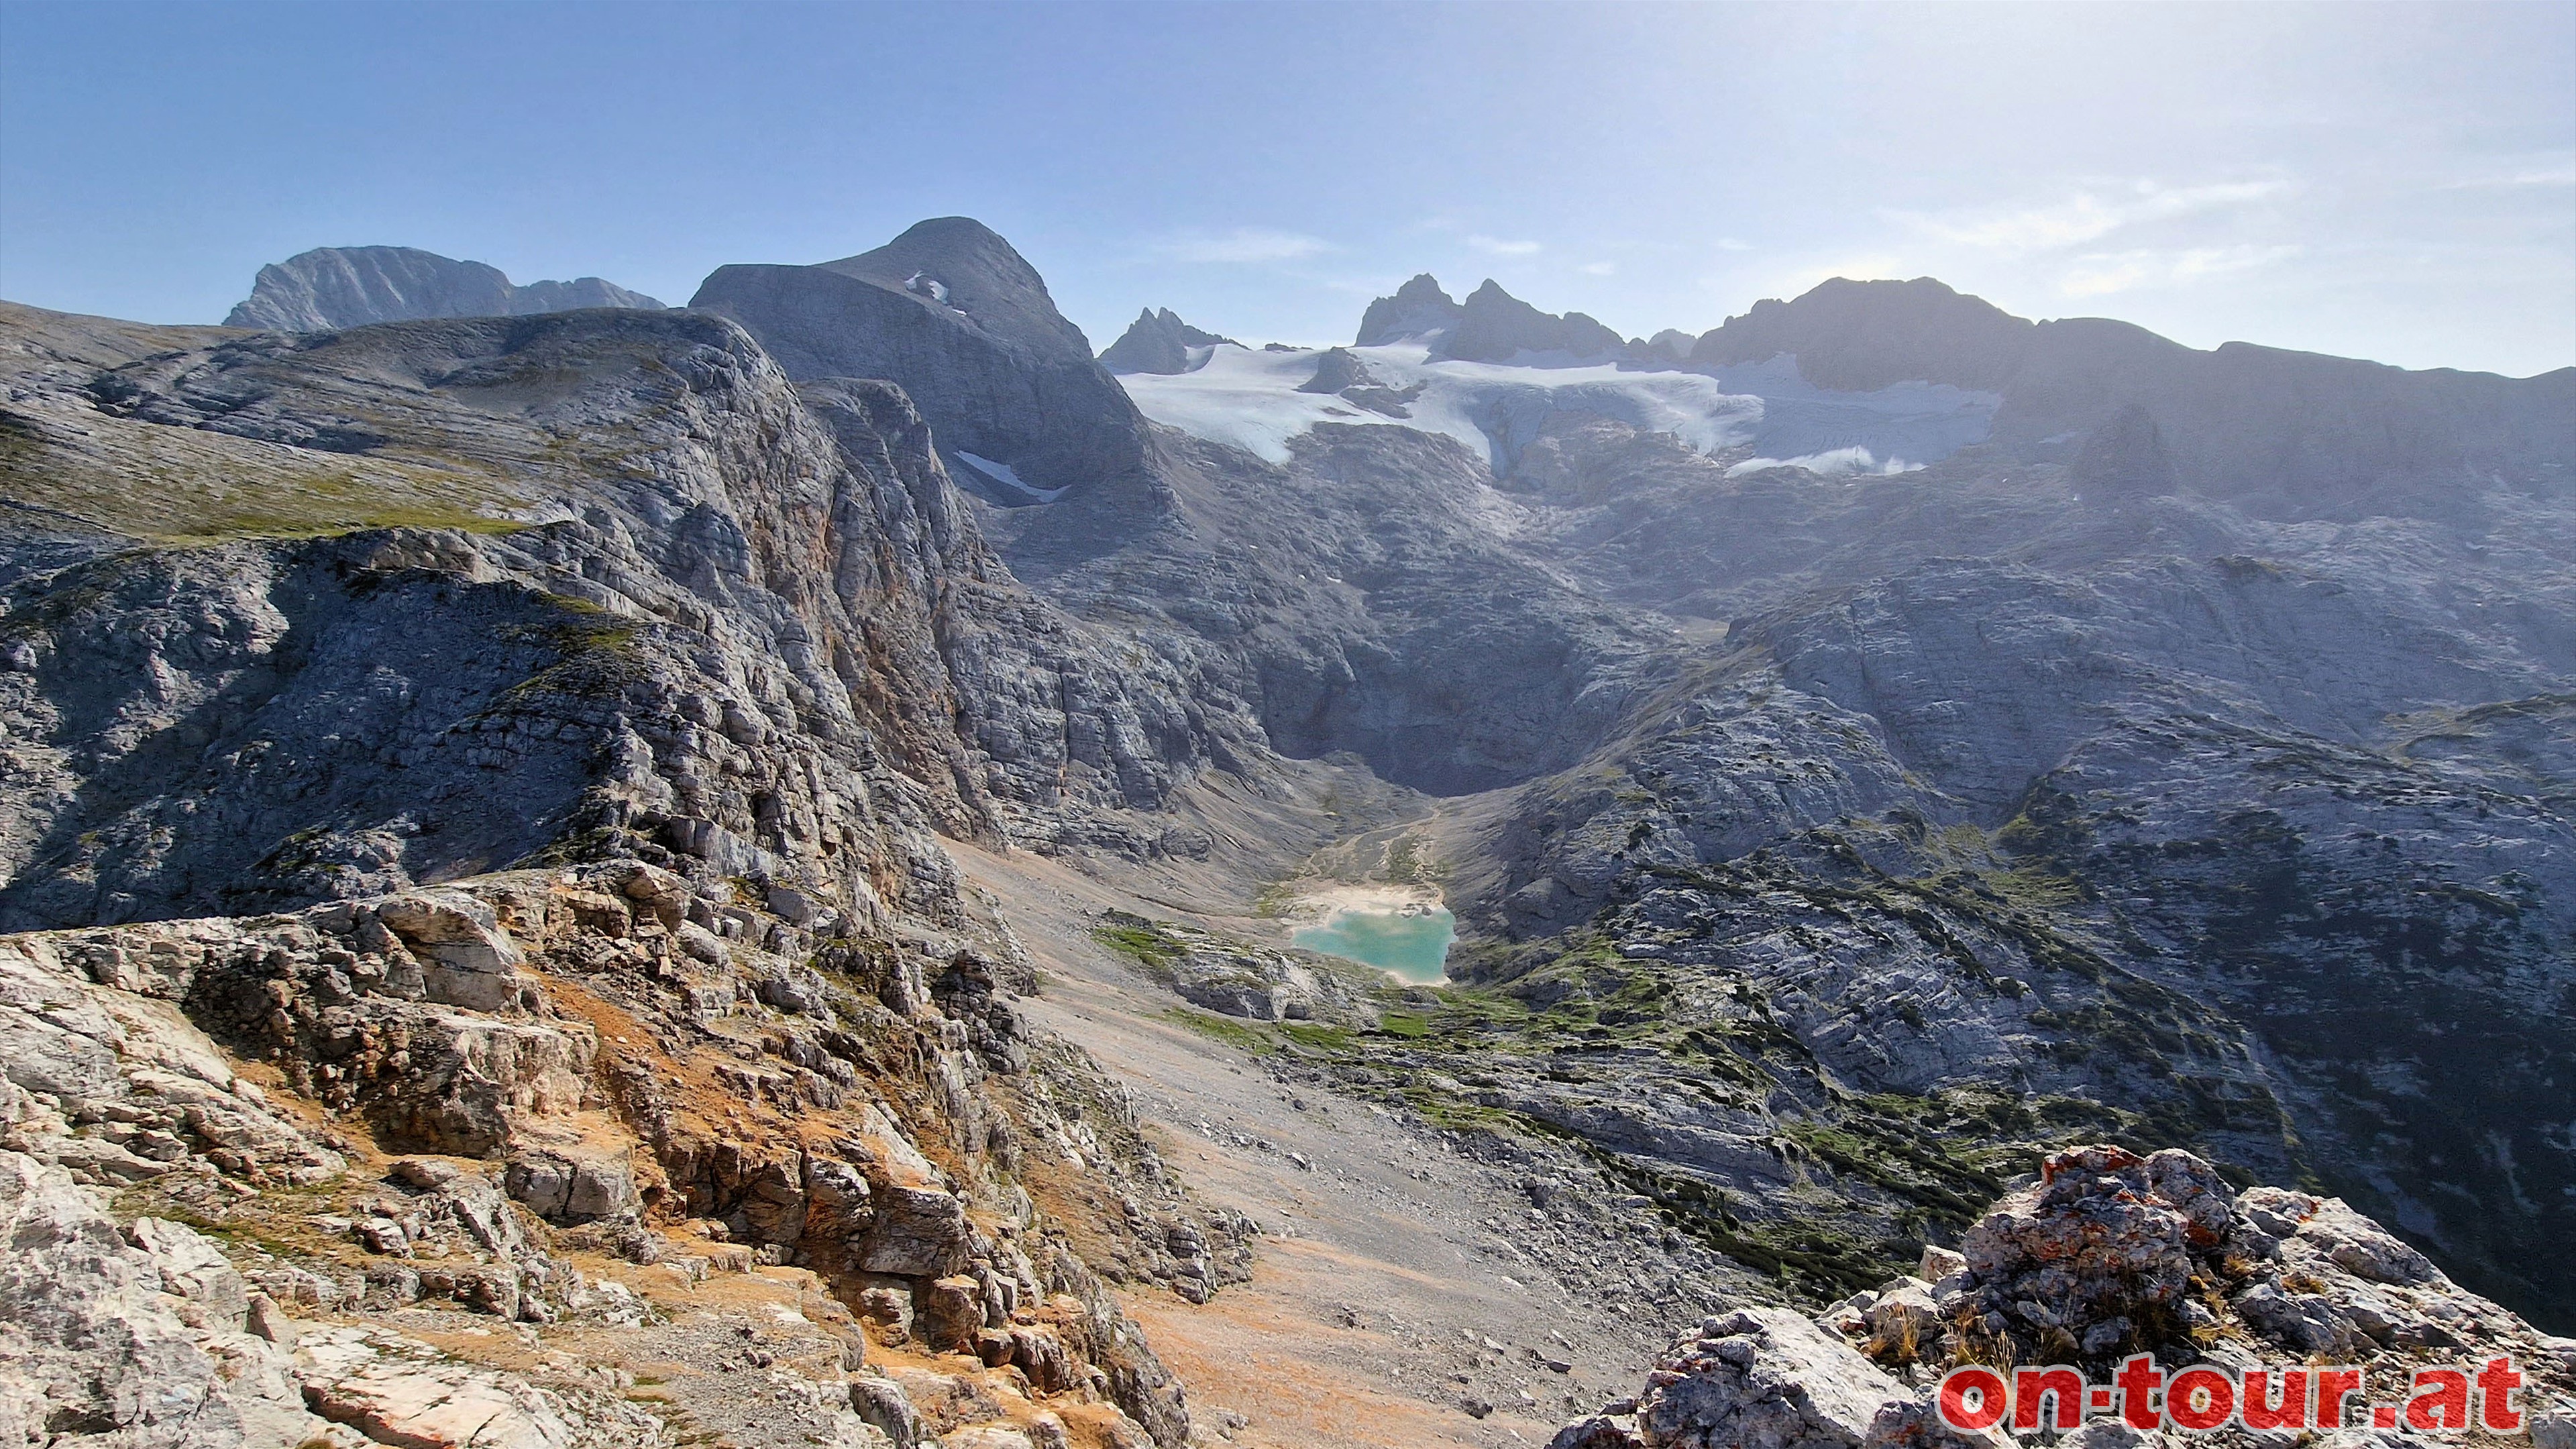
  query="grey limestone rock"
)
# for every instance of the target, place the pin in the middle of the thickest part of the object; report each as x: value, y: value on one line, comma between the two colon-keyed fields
x: 965, y: 326
x: 329, y: 288
x: 128, y: 1343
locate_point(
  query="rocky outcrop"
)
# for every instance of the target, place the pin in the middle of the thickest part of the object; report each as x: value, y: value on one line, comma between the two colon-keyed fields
x: 139, y: 1339
x: 1337, y: 369
x: 1495, y: 326
x: 1339, y: 372
x: 2124, y: 458
x: 2107, y: 1256
x: 663, y: 1069
x: 1767, y: 1376
x: 329, y: 288
x: 1161, y: 342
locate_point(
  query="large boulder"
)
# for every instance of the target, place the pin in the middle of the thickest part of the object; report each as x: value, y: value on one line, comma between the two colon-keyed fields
x: 917, y: 1232
x: 466, y: 958
x: 2098, y: 1257
x: 1764, y: 1376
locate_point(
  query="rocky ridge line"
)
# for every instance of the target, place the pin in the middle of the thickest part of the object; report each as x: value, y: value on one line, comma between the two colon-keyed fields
x: 329, y: 288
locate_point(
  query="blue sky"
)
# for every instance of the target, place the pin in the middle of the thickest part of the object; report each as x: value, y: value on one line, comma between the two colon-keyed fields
x: 2381, y: 181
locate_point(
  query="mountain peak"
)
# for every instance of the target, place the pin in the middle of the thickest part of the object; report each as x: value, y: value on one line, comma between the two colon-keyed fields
x: 1495, y: 326
x: 330, y: 288
x: 1418, y: 308
x: 1864, y: 335
x: 1423, y: 288
x: 959, y: 265
x: 959, y: 319
x: 1160, y: 342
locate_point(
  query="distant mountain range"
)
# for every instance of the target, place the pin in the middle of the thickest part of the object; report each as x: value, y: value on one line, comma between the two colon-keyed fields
x: 330, y: 288
x: 1863, y: 744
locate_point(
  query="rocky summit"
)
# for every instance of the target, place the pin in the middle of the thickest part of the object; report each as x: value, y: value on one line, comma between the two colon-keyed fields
x: 330, y: 288
x: 584, y: 874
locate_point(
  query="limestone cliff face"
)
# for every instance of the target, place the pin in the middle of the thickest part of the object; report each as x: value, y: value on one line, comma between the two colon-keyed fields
x: 330, y: 288
x: 526, y: 741
x: 720, y: 619
x: 956, y: 317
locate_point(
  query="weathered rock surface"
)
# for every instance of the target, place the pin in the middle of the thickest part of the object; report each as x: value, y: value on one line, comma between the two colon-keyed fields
x: 795, y: 597
x: 129, y: 1337
x: 329, y: 288
x: 2109, y: 1255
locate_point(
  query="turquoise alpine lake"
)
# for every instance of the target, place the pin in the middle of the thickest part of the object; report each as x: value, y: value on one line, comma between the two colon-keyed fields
x: 1413, y: 945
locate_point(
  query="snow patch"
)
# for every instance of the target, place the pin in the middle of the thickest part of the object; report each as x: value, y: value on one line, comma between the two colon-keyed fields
x: 1832, y: 463
x: 1008, y: 477
x: 1248, y: 399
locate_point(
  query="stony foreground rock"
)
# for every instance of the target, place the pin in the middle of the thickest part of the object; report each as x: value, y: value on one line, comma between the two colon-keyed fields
x: 2109, y: 1254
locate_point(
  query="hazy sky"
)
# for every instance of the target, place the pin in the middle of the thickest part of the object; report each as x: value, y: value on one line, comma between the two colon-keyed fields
x: 2395, y: 182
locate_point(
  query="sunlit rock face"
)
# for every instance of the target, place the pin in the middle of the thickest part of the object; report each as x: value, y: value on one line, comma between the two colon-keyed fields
x: 335, y: 287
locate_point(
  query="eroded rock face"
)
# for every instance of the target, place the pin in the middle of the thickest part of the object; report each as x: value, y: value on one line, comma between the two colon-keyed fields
x: 784, y: 590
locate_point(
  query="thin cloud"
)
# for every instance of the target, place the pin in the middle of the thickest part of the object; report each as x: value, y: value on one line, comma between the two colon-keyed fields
x: 2563, y: 175
x: 2083, y: 217
x: 1598, y: 269
x: 1241, y: 245
x: 1498, y: 247
x: 2101, y: 274
x: 1733, y: 244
